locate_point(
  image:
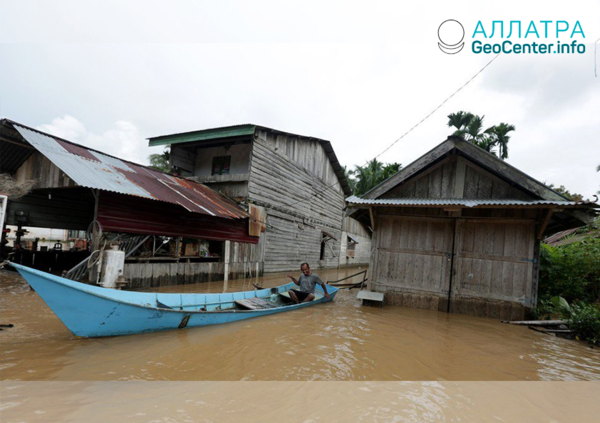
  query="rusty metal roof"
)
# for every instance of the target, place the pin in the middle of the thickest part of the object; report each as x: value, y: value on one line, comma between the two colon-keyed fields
x: 428, y: 202
x: 92, y: 169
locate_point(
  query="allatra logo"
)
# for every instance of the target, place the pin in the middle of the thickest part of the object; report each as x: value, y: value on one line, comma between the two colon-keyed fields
x: 451, y: 34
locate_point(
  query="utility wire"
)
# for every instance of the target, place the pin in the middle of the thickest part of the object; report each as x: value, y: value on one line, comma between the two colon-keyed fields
x: 438, y: 107
x: 411, y: 129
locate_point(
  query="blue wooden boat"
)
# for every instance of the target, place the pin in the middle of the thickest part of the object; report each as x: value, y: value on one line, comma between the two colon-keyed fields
x: 90, y: 311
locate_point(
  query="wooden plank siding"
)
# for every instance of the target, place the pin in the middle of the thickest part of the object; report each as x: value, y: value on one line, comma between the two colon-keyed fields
x: 292, y: 178
x: 46, y: 174
x: 494, y: 260
x: 362, y: 250
x: 244, y: 261
x: 440, y: 180
x: 413, y: 254
x: 494, y: 270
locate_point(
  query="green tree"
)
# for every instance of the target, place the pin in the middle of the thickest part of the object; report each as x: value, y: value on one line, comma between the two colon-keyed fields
x: 350, y: 179
x: 500, y: 135
x: 372, y: 174
x: 566, y: 193
x: 160, y: 161
x: 471, y: 128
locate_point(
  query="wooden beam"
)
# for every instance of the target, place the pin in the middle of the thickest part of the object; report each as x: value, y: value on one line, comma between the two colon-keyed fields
x: 372, y: 218
x: 459, y: 181
x: 545, y: 224
x: 20, y: 144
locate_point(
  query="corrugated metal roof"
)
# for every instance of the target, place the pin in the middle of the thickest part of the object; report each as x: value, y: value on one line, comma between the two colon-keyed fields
x: 92, y: 169
x: 459, y: 202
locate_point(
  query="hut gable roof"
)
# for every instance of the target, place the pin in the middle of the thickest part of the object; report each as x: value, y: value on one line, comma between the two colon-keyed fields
x: 480, y: 161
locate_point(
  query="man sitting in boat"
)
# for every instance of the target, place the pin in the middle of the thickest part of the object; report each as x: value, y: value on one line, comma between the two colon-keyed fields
x: 307, y: 282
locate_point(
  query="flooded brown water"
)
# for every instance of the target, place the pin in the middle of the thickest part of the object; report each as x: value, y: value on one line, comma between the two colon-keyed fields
x: 301, y: 402
x: 270, y: 369
x: 339, y: 341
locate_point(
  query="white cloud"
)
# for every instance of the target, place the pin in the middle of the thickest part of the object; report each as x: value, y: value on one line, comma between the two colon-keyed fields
x: 66, y: 127
x: 123, y: 141
x: 357, y: 74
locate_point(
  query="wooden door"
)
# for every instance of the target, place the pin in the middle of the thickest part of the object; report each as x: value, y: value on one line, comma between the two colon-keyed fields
x: 413, y: 254
x: 494, y: 260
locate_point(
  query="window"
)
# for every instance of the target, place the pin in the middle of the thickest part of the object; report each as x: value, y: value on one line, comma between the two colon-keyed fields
x: 220, y: 165
x: 351, y: 246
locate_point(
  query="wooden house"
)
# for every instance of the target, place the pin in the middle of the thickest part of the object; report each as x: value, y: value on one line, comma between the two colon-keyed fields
x: 459, y: 230
x: 293, y: 186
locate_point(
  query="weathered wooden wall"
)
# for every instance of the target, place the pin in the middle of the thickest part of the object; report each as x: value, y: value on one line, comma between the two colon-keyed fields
x: 362, y: 250
x: 246, y: 260
x: 183, y: 159
x: 240, y: 158
x: 294, y: 179
x: 455, y: 177
x: 44, y: 172
x: 240, y: 260
x: 493, y: 268
x: 148, y: 275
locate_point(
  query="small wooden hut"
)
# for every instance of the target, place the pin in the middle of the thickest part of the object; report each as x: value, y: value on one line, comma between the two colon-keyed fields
x: 459, y: 230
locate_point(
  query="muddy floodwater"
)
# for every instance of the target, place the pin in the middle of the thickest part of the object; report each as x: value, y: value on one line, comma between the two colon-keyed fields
x: 334, y: 362
x: 339, y: 341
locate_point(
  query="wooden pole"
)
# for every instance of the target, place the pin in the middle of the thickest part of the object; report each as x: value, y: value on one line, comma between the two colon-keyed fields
x: 545, y: 224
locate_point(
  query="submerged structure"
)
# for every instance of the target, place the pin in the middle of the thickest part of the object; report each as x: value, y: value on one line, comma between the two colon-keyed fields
x: 293, y: 183
x: 172, y: 230
x: 459, y: 230
x: 240, y: 201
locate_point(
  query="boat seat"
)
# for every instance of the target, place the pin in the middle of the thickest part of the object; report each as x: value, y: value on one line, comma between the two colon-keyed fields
x: 255, y: 304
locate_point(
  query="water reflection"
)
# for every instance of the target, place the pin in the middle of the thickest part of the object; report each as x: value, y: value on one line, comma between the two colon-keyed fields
x: 92, y: 402
x: 335, y: 341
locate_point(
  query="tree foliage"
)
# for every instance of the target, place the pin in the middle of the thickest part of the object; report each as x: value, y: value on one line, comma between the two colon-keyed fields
x: 571, y: 271
x: 160, y: 161
x: 364, y: 178
x: 470, y: 127
x: 566, y: 193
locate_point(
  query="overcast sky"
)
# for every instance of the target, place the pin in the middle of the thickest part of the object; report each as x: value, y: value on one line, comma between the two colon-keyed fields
x: 109, y: 74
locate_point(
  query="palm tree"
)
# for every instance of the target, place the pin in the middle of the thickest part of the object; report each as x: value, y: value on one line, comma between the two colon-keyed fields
x: 459, y: 120
x: 501, y: 138
x: 470, y: 128
x: 160, y: 161
x: 367, y: 176
x: 351, y: 181
x: 371, y: 175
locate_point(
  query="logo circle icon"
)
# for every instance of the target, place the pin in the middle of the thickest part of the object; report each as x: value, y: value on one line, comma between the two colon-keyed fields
x: 451, y: 34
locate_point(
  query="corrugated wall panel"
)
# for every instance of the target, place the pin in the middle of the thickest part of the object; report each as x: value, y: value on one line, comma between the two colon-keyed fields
x: 157, y: 218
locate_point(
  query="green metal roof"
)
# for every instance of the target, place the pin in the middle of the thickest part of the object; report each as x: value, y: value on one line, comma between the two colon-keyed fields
x: 202, y: 135
x: 247, y: 130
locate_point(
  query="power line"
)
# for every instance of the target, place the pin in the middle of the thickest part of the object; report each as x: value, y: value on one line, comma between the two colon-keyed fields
x: 438, y: 107
x: 410, y: 130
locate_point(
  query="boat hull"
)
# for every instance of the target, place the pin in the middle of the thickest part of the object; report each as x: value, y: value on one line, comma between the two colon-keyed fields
x: 91, y: 311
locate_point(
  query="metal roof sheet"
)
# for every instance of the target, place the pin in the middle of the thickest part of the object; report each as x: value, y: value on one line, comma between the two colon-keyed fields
x: 203, y: 134
x: 459, y: 202
x: 92, y: 169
